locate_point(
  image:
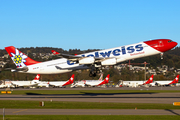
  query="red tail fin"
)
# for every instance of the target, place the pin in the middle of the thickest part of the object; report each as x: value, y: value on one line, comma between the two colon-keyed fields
x: 175, y: 80
x: 37, y: 77
x: 19, y: 58
x: 70, y: 81
x: 106, y: 80
x: 150, y: 80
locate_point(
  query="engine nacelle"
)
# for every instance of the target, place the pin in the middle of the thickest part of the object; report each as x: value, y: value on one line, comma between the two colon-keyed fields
x: 111, y: 61
x: 87, y: 60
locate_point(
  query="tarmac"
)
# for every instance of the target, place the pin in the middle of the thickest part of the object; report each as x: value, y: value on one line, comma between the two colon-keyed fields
x: 89, y: 112
x: 164, y: 98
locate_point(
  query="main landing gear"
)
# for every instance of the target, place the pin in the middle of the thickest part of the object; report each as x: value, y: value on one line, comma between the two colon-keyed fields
x: 94, y: 71
x: 92, y: 74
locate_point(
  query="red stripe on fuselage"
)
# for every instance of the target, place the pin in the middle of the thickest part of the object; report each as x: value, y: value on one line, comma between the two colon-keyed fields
x: 161, y: 45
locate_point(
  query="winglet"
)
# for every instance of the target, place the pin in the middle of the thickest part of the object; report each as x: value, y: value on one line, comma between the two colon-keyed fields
x: 70, y: 81
x: 150, y: 80
x: 175, y: 80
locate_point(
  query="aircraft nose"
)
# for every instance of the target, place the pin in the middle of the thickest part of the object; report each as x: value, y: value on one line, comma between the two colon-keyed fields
x: 162, y: 45
x: 174, y: 44
x: 169, y: 46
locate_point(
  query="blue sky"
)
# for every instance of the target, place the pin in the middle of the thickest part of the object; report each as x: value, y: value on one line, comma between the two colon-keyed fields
x: 87, y: 24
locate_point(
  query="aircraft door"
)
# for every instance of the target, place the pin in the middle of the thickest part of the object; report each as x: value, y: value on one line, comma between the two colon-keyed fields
x: 161, y: 44
x: 41, y: 68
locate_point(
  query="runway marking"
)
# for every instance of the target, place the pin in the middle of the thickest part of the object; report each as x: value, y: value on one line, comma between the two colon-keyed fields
x: 19, y: 111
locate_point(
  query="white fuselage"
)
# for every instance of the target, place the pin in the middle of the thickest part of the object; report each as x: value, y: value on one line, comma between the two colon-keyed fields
x: 57, y: 83
x: 93, y: 82
x: 79, y: 84
x: 24, y: 83
x: 43, y: 84
x: 159, y: 83
x: 133, y: 83
x: 121, y: 54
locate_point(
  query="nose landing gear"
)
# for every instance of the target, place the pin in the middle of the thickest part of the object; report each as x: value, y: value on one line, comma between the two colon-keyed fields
x: 161, y: 55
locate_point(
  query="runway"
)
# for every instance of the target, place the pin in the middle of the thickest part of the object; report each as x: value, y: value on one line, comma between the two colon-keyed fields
x: 106, y: 88
x: 164, y: 98
x: 89, y: 112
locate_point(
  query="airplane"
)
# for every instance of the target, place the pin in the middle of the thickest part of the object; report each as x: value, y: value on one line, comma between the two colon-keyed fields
x: 34, y: 82
x: 82, y: 82
x: 166, y: 83
x: 62, y: 83
x: 137, y: 83
x: 94, y: 83
x: 94, y: 61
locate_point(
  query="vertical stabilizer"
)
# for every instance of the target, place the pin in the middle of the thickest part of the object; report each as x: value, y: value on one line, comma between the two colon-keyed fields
x: 70, y: 81
x: 19, y: 58
x: 37, y: 77
x: 150, y: 80
x: 106, y: 80
x: 175, y: 80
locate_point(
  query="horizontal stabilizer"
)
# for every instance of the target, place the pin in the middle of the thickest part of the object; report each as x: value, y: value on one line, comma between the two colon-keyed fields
x: 22, y: 69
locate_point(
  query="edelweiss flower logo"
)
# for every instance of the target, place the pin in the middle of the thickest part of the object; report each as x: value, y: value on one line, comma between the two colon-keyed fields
x: 19, y: 58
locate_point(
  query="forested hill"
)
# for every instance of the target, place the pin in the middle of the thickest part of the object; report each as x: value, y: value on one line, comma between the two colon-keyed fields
x: 170, y: 58
x: 48, y: 50
x: 175, y: 51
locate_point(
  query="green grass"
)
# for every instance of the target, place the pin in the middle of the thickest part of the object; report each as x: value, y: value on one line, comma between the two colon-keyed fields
x: 18, y: 104
x: 103, y: 92
x: 91, y: 117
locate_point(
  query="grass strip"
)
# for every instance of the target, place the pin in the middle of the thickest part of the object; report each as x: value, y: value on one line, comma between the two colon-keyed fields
x: 91, y: 117
x: 88, y: 92
x: 19, y: 104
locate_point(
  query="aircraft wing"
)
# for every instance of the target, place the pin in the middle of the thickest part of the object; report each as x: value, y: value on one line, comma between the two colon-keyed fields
x: 23, y: 69
x: 68, y: 56
x: 80, y: 58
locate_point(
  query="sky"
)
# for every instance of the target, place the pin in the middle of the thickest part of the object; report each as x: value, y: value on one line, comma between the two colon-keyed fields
x: 87, y: 24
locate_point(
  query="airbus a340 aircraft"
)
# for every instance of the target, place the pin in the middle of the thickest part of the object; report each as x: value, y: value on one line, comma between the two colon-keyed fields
x: 93, y: 60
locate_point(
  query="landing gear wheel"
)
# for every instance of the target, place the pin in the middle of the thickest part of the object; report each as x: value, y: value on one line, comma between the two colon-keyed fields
x: 94, y: 75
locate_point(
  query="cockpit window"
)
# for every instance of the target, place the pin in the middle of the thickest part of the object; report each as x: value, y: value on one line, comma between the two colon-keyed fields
x: 169, y: 41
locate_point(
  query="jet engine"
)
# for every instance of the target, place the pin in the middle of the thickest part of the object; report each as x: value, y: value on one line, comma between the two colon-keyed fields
x: 111, y: 61
x: 87, y: 60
